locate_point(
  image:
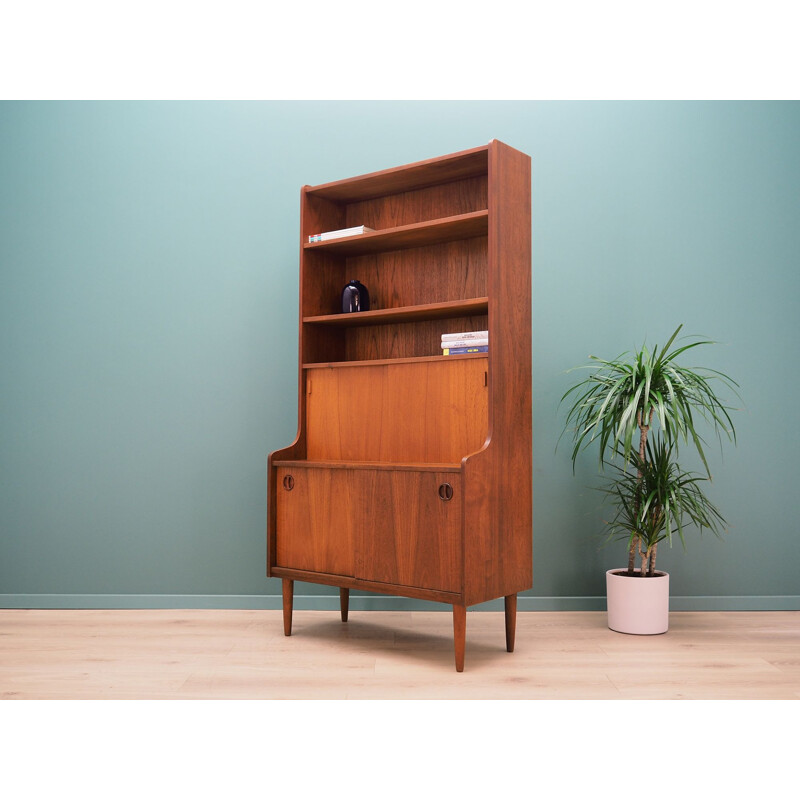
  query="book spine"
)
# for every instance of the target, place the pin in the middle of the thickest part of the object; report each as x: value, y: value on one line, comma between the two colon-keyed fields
x: 457, y: 351
x: 451, y: 337
x: 466, y: 343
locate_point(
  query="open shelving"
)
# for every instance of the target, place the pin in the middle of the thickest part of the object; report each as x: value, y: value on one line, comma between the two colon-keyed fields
x: 417, y: 234
x: 426, y: 311
x: 385, y: 361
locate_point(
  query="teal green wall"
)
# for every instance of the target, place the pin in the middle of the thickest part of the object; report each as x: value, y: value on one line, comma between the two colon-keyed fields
x: 148, y: 331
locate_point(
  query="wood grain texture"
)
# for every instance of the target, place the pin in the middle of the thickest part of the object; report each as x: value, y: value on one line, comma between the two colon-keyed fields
x: 326, y: 276
x: 375, y: 587
x: 315, y: 522
x: 344, y: 603
x: 476, y: 306
x: 411, y: 537
x: 440, y: 201
x: 510, y: 603
x: 376, y: 362
x: 417, y: 466
x: 369, y: 414
x: 402, y: 237
x: 497, y: 480
x: 459, y: 635
x: 405, y: 340
x: 297, y: 449
x: 379, y: 392
x: 436, y: 273
x: 288, y: 603
x: 373, y: 525
x: 405, y: 178
x: 172, y: 654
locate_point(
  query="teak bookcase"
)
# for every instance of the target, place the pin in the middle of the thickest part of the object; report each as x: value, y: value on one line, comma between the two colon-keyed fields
x: 411, y: 471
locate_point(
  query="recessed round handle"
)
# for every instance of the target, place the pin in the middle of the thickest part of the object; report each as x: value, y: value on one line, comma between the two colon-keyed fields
x: 446, y: 491
x: 288, y: 483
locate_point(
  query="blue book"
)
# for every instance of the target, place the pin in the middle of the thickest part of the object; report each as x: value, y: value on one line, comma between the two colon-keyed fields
x: 456, y: 351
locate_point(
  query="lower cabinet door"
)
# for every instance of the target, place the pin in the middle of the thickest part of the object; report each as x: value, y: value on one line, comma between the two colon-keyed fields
x: 315, y: 525
x: 411, y: 534
x: 390, y: 526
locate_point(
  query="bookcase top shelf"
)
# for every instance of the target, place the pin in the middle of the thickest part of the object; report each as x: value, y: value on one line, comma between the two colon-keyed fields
x: 385, y: 316
x: 383, y: 361
x: 457, y: 166
x: 418, y: 234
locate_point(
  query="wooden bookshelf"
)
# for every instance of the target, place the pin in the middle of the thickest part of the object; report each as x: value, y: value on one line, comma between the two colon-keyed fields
x: 411, y: 471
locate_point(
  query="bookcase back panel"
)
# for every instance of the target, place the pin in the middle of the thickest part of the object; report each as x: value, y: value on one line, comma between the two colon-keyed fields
x: 406, y: 339
x: 433, y: 274
x: 320, y: 214
x: 419, y: 205
x: 323, y: 344
x: 324, y: 277
x: 432, y: 412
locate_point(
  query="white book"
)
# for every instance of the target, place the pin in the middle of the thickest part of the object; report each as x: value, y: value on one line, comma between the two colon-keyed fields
x: 452, y: 337
x: 340, y: 234
x: 465, y: 343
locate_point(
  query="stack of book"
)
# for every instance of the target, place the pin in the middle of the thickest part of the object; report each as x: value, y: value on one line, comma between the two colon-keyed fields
x: 340, y: 234
x: 454, y: 344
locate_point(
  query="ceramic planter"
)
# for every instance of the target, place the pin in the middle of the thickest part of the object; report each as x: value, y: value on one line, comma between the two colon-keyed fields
x: 635, y: 604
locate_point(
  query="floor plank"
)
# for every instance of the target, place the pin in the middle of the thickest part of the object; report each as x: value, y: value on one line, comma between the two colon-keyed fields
x: 174, y: 654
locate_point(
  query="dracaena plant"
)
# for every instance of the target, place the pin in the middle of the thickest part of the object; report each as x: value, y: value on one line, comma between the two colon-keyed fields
x: 633, y: 393
x: 656, y: 499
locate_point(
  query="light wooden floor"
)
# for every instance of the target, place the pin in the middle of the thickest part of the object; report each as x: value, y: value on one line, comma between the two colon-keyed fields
x: 163, y: 654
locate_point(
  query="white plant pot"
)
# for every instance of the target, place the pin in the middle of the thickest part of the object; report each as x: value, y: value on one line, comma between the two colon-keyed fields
x: 635, y: 604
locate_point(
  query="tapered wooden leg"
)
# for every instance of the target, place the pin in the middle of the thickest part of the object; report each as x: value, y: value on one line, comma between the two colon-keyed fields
x: 288, y: 597
x: 459, y: 634
x: 344, y: 602
x: 511, y: 621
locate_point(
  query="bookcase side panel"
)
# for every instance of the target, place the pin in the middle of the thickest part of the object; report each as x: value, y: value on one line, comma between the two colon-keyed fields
x: 312, y: 212
x: 497, y: 480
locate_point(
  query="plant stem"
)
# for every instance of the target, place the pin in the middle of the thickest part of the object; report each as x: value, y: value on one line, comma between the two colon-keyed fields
x: 645, y: 557
x: 632, y: 554
x: 643, y: 430
x: 653, y: 551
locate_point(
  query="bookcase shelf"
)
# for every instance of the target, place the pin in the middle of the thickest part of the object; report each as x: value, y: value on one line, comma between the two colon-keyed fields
x: 387, y: 465
x: 411, y: 471
x: 385, y: 316
x: 418, y: 234
x: 433, y: 171
x: 383, y: 361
